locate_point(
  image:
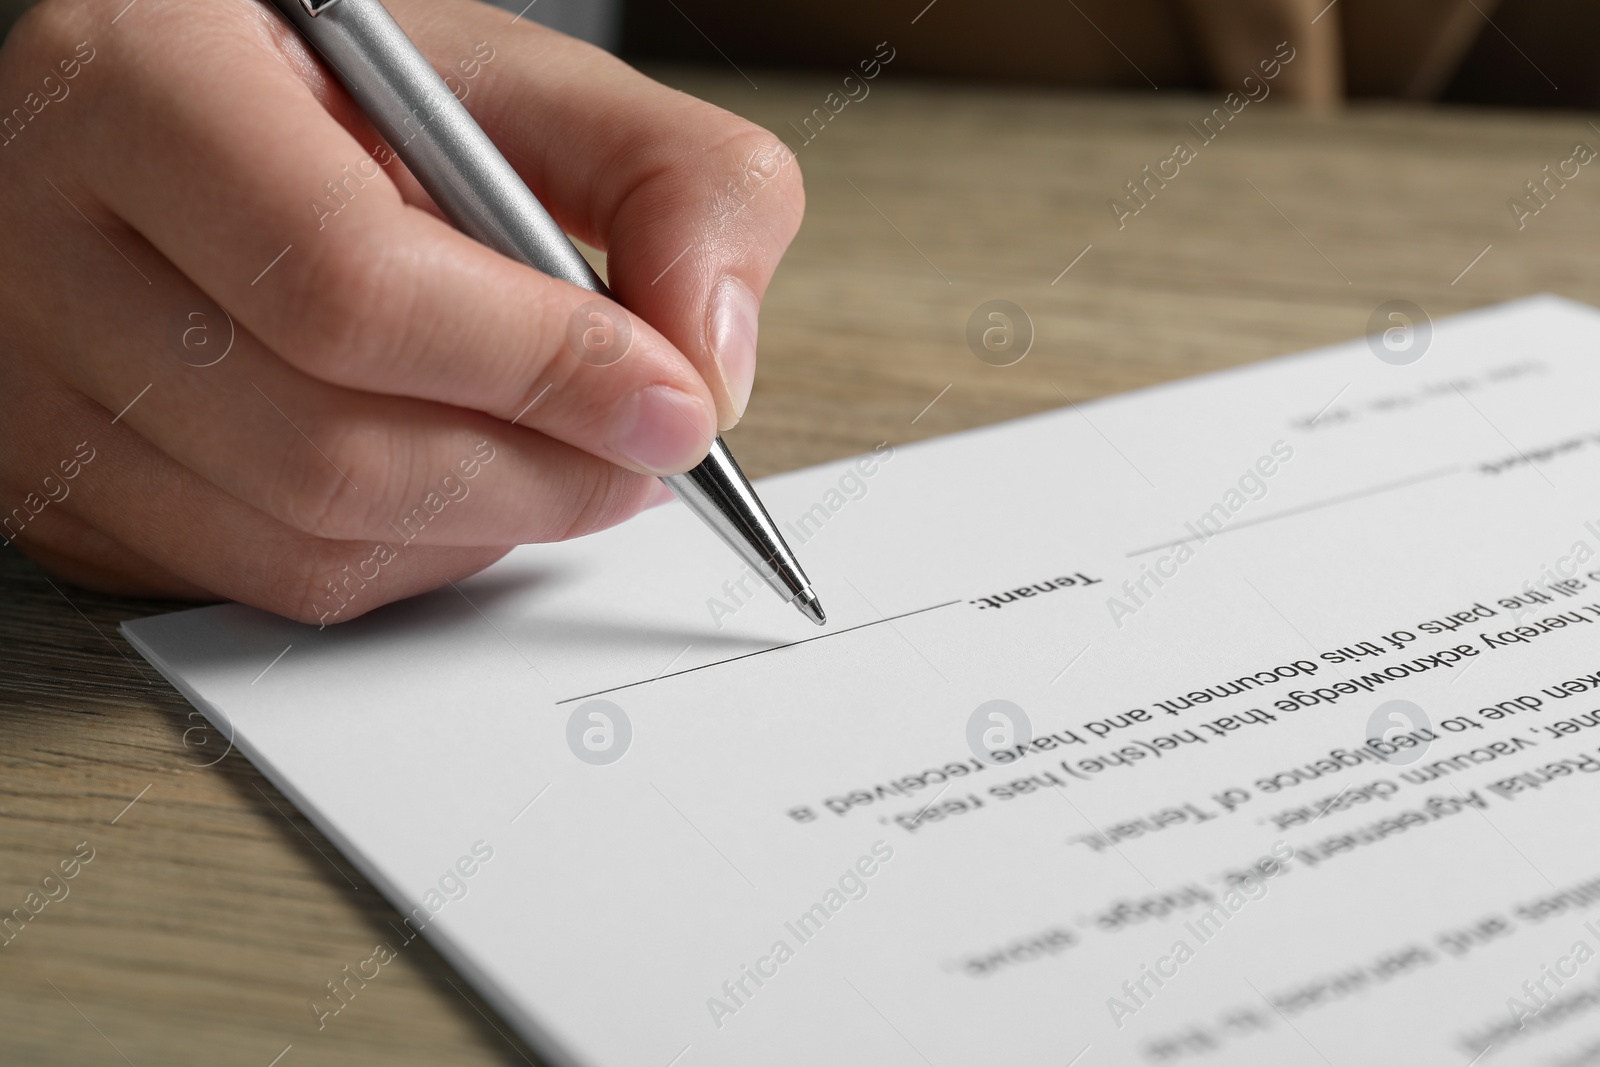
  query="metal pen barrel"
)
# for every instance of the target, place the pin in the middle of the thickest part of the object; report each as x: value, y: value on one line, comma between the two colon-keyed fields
x: 483, y: 196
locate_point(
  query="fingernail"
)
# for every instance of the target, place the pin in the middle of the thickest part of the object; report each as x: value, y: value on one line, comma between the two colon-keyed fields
x: 664, y: 430
x: 734, y: 313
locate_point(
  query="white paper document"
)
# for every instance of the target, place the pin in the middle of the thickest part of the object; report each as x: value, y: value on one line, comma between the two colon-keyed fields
x: 1253, y: 719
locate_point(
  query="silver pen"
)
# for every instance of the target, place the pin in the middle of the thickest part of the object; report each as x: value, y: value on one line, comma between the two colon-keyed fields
x: 454, y: 160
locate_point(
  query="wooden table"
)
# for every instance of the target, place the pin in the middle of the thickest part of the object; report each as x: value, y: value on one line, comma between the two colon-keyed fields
x: 212, y: 913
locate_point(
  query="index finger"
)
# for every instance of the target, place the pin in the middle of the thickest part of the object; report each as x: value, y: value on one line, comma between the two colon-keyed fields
x: 693, y: 205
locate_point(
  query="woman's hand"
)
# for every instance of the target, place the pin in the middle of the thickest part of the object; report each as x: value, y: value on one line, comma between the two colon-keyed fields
x: 242, y: 356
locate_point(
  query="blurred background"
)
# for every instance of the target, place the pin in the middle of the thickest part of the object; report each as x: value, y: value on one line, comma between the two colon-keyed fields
x: 1457, y: 51
x: 1448, y: 50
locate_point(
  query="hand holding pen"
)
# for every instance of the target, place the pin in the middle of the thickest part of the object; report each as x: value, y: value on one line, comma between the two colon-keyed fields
x: 272, y: 363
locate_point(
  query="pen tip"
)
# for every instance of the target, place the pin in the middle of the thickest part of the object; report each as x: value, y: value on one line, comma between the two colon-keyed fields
x: 810, y: 607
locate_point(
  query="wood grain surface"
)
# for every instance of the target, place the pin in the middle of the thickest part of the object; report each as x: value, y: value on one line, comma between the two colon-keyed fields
x: 212, y: 914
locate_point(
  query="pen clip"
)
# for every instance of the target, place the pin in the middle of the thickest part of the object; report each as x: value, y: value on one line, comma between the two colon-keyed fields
x: 313, y: 7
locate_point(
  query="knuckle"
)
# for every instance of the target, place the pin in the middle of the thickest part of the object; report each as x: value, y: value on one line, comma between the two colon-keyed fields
x: 740, y: 175
x: 762, y: 172
x: 552, y: 353
x: 347, y: 311
x: 339, y: 489
x: 537, y: 382
x: 595, y: 498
